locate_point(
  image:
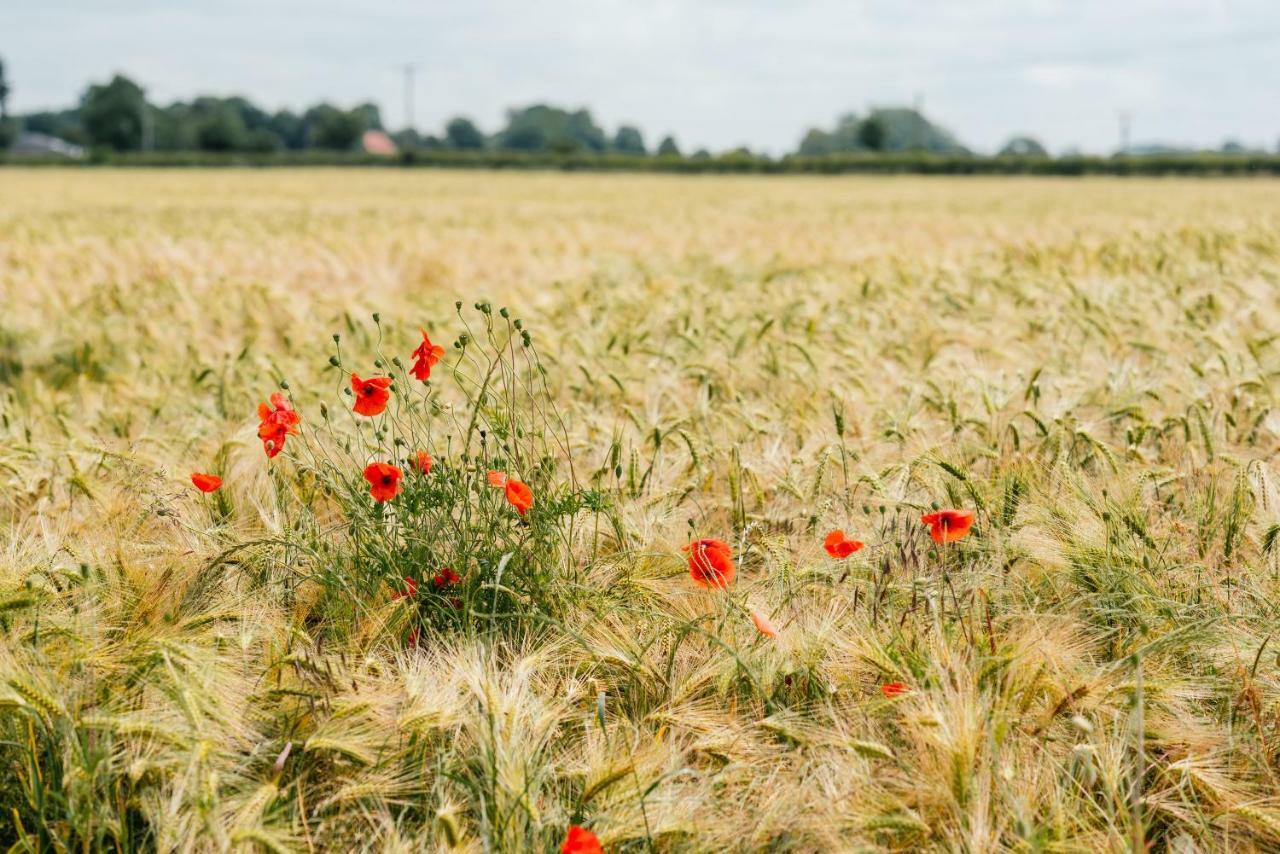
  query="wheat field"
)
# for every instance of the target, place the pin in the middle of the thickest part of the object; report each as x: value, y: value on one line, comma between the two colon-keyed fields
x: 1091, y: 366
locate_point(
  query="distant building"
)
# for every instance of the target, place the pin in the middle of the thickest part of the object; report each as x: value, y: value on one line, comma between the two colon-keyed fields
x: 377, y: 142
x: 42, y: 145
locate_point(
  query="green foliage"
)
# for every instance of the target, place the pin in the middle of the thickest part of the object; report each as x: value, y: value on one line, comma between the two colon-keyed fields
x: 461, y: 133
x: 1023, y: 146
x: 335, y: 129
x: 542, y: 127
x: 895, y: 129
x: 668, y: 147
x: 113, y: 114
x: 872, y: 134
x: 629, y: 140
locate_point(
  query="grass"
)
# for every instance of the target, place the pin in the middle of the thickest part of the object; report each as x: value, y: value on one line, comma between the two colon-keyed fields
x: 1089, y: 365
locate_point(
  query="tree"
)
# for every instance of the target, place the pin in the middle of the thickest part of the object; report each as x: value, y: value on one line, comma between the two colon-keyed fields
x: 629, y: 140
x: 871, y: 134
x: 329, y: 127
x: 815, y: 143
x: 221, y: 130
x: 112, y: 114
x: 462, y: 133
x: 1023, y: 146
x: 4, y: 93
x: 668, y: 147
x: 8, y: 128
x: 541, y: 127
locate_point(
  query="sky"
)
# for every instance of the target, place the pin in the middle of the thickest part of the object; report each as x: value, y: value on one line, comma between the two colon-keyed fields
x: 716, y: 74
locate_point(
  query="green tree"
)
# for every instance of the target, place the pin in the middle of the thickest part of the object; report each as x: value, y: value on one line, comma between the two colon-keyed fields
x: 8, y: 127
x: 668, y: 147
x: 4, y: 93
x: 112, y: 114
x: 629, y: 140
x: 222, y: 129
x: 331, y: 128
x: 816, y: 142
x: 1023, y: 146
x: 462, y: 133
x: 541, y: 127
x: 871, y: 134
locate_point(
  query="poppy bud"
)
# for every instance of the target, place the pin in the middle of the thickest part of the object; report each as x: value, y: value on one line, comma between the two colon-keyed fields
x: 458, y: 305
x: 464, y: 338
x: 377, y: 363
x: 324, y: 410
x: 503, y: 311
x: 519, y: 323
x: 284, y: 384
x: 395, y: 360
x: 333, y: 360
x: 336, y: 338
x: 377, y: 318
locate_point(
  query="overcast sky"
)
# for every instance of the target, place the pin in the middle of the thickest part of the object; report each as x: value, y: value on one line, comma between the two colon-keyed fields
x: 715, y: 73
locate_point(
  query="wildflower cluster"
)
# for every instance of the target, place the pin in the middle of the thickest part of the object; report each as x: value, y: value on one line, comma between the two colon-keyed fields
x: 442, y: 491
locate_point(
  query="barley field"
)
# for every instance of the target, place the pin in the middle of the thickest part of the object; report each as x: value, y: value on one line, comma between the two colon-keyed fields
x: 1091, y: 367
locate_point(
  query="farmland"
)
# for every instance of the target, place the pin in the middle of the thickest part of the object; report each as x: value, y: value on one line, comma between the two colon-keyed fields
x: 1090, y: 366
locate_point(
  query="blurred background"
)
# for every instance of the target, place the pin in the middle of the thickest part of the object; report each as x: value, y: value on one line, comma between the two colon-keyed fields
x: 698, y: 79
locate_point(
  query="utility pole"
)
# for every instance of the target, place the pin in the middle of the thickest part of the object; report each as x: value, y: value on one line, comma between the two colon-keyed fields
x: 409, y: 70
x: 1126, y: 121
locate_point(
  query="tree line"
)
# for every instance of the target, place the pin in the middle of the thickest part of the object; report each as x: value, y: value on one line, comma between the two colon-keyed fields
x: 115, y: 119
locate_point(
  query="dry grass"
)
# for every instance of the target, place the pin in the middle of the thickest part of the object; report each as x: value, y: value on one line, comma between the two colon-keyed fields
x: 1092, y: 365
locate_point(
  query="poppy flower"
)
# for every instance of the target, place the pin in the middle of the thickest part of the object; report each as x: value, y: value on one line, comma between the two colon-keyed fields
x: 371, y: 394
x: 947, y: 526
x: 710, y: 563
x: 445, y: 578
x: 893, y: 689
x: 410, y: 589
x: 206, y: 482
x: 422, y: 462
x: 276, y: 423
x: 839, y: 546
x: 425, y: 356
x: 384, y: 481
x: 496, y: 478
x: 519, y: 496
x: 579, y: 840
x: 763, y: 624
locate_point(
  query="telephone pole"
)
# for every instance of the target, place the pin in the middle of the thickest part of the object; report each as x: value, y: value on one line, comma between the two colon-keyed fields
x: 409, y: 69
x: 1126, y: 121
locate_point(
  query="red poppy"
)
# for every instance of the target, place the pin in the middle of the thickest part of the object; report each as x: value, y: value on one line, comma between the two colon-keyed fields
x: 763, y: 624
x: 710, y: 563
x: 410, y: 589
x: 839, y: 546
x: 579, y: 840
x: 425, y: 356
x: 384, y: 481
x: 947, y: 526
x: 893, y: 689
x: 519, y: 496
x: 445, y: 578
x: 206, y: 482
x: 422, y: 462
x: 371, y: 394
x: 496, y: 478
x: 276, y: 424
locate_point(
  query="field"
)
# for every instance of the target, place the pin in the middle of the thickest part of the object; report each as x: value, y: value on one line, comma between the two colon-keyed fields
x: 1091, y: 366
